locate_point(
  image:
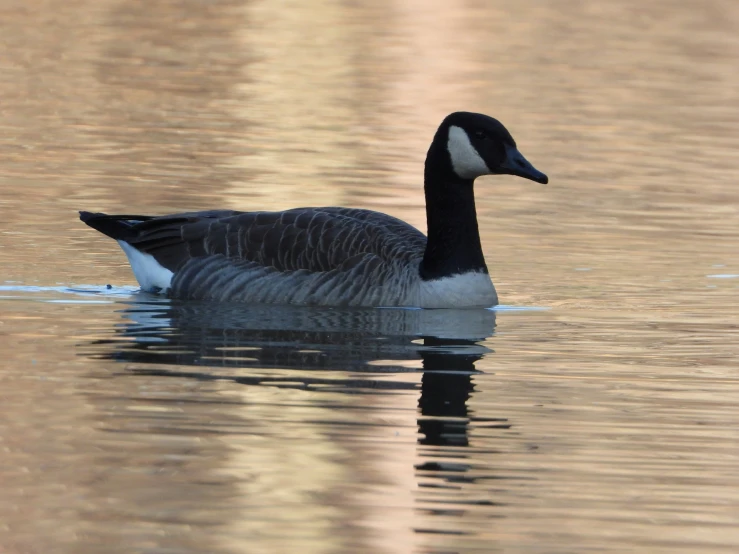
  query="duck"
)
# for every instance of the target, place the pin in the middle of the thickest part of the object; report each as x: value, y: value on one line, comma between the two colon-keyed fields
x: 335, y: 256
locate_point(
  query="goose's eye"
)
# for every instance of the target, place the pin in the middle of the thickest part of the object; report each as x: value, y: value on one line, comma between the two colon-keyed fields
x: 481, y: 134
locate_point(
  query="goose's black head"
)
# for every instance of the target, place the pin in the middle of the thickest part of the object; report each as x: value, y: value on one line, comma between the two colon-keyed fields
x: 480, y: 145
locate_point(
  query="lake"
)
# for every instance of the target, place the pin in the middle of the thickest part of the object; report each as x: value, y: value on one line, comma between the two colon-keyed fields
x: 595, y: 410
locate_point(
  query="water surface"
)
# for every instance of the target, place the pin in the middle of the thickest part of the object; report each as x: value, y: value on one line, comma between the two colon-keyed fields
x: 597, y: 410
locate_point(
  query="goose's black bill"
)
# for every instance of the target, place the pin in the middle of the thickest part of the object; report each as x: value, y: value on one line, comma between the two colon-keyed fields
x: 516, y: 164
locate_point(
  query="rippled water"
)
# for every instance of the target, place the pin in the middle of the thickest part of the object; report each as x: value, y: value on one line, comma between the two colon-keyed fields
x: 597, y: 410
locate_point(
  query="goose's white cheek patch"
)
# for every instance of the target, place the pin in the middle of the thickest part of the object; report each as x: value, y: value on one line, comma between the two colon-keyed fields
x: 466, y: 161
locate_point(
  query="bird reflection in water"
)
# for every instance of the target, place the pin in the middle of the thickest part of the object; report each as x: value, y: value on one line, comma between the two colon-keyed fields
x: 162, y: 334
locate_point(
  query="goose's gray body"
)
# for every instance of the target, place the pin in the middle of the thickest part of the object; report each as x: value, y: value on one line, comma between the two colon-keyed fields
x: 328, y: 256
x: 316, y: 256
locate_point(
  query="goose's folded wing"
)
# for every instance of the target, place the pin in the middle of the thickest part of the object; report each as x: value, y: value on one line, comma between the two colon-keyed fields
x: 313, y: 239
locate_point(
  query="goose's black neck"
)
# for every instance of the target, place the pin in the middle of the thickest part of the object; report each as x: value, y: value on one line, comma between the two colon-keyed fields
x: 453, y: 245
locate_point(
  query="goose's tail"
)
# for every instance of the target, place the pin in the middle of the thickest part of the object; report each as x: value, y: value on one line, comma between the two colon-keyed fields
x: 117, y: 227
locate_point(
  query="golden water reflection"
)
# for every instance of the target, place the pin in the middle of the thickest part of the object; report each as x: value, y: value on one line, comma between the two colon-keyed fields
x: 607, y: 421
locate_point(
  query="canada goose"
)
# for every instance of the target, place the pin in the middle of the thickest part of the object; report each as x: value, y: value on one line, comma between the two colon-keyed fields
x: 335, y: 256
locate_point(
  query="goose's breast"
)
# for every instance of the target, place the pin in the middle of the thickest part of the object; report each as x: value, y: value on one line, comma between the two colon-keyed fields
x: 466, y: 290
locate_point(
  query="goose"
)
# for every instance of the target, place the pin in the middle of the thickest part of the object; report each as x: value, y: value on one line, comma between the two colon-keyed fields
x: 335, y: 256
